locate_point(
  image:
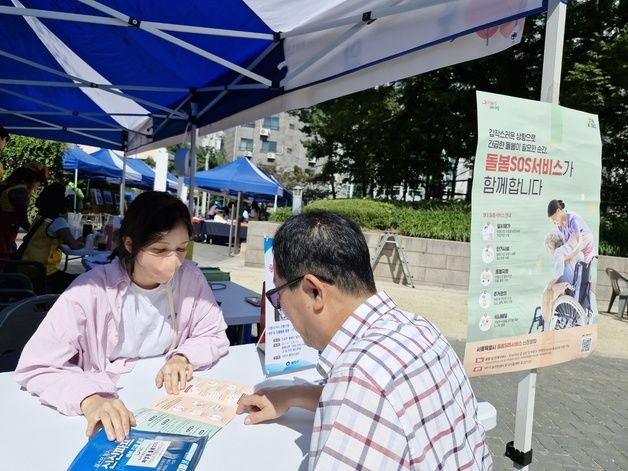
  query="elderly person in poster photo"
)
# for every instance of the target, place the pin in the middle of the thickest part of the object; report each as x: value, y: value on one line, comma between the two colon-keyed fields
x: 395, y: 395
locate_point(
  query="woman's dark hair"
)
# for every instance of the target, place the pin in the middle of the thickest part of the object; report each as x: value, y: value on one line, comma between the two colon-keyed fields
x: 150, y: 215
x: 52, y: 202
x: 554, y: 206
x: 325, y: 244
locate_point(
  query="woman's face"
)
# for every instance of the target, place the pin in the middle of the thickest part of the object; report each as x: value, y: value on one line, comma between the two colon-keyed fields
x: 158, y: 262
x: 175, y: 240
x: 558, y: 217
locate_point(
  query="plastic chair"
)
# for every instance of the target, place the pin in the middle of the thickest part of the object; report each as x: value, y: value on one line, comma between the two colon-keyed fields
x: 18, y: 323
x: 34, y: 270
x: 615, y: 276
x: 9, y: 297
x: 15, y: 281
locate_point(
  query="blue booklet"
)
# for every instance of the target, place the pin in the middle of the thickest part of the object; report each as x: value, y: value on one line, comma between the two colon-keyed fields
x: 140, y: 451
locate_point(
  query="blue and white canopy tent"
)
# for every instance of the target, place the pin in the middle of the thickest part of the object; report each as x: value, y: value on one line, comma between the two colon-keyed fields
x: 85, y: 166
x: 148, y: 175
x: 131, y: 74
x: 241, y: 175
x: 242, y: 178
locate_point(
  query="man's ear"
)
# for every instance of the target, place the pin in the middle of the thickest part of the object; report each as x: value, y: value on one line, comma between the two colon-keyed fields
x: 316, y: 291
x: 128, y: 244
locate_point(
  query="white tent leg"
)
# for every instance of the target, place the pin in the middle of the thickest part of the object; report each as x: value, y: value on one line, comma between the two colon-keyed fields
x: 75, y: 187
x: 550, y: 88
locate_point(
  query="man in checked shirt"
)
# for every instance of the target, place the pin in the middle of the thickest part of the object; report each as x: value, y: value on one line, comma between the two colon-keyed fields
x: 395, y: 395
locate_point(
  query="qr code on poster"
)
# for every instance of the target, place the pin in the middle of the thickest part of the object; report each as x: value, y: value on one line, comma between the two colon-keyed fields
x: 585, y: 344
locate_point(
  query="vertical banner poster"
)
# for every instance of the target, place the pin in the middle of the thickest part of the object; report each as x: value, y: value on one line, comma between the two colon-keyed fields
x: 285, y: 350
x: 534, y: 236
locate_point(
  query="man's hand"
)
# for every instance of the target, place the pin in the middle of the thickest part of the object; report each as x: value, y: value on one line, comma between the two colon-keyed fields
x: 271, y: 403
x: 111, y: 414
x: 174, y: 374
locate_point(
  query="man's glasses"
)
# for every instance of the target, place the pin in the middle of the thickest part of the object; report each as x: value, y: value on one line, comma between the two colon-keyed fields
x: 273, y: 294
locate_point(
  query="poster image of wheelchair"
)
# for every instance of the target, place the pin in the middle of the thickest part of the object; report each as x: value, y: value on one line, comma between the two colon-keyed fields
x: 568, y: 299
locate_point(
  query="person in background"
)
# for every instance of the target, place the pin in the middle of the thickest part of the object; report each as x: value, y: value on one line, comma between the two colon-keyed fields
x: 395, y: 395
x: 147, y: 302
x: 254, y: 212
x: 15, y: 195
x: 213, y: 209
x: 4, y: 140
x: 220, y: 216
x: 47, y: 233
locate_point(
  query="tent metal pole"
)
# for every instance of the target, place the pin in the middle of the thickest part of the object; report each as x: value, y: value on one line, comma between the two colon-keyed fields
x: 275, y: 204
x: 91, y: 19
x: 174, y: 40
x: 47, y: 83
x: 75, y: 185
x: 55, y: 127
x: 58, y: 108
x: 194, y: 129
x: 79, y: 79
x: 352, y: 20
x: 323, y: 52
x: 550, y: 87
x: 253, y: 64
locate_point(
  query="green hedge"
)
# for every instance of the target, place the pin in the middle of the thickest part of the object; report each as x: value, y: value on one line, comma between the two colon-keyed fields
x: 442, y: 220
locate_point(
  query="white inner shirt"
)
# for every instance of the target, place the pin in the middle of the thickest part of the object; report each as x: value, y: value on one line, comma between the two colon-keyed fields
x: 145, y: 326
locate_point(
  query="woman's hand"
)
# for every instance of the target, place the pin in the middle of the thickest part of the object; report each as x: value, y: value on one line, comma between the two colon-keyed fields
x: 174, y: 374
x: 109, y: 413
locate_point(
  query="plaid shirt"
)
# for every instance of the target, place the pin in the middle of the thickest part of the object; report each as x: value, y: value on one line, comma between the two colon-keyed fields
x: 396, y: 397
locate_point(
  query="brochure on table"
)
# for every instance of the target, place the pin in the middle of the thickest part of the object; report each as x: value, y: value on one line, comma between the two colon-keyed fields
x: 284, y: 350
x: 201, y: 409
x: 530, y: 305
x: 140, y: 450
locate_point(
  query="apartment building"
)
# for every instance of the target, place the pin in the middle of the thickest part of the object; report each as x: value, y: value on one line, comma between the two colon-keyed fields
x: 274, y: 141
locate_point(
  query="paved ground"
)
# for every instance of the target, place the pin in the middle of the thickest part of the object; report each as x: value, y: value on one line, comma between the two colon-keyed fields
x: 581, y: 412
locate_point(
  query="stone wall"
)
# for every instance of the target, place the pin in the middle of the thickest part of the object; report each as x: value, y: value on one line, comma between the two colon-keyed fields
x: 432, y: 262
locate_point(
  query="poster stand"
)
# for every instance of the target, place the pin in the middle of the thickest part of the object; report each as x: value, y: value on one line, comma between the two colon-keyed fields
x: 520, y: 450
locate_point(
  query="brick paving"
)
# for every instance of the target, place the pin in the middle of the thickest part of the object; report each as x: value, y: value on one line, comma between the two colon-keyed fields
x: 580, y: 416
x: 581, y: 409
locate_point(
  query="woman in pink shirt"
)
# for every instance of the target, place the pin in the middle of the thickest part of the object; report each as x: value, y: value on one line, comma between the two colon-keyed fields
x: 147, y: 302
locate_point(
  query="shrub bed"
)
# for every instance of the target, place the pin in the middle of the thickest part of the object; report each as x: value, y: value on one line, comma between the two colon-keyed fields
x: 442, y: 220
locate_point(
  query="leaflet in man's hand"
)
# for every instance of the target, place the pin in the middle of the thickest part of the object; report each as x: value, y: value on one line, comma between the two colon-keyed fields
x: 140, y: 450
x: 203, y: 408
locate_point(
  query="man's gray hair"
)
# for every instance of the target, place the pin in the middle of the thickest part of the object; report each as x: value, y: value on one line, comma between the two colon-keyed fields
x: 554, y: 240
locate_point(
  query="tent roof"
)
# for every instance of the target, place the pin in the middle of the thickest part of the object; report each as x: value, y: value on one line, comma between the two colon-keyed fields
x: 75, y: 158
x: 241, y: 175
x: 148, y: 174
x: 131, y: 74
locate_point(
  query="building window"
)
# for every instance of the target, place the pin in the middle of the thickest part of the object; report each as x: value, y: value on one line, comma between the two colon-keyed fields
x: 291, y: 126
x: 269, y: 146
x: 249, y: 125
x: 246, y: 144
x: 271, y: 123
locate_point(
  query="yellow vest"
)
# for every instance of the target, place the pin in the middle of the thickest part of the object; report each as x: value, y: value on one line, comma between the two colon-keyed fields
x: 5, y: 203
x: 44, y: 249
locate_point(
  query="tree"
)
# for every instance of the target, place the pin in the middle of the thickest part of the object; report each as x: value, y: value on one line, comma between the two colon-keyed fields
x: 22, y: 150
x: 417, y: 131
